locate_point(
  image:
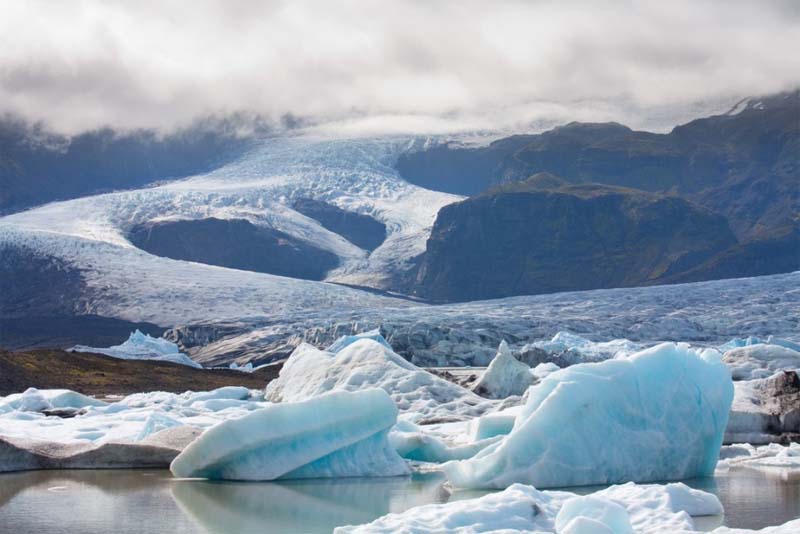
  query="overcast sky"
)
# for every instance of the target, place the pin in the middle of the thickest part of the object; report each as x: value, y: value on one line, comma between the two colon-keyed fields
x: 421, y: 65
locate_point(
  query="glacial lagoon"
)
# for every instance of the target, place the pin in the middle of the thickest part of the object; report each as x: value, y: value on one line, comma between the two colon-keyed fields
x: 152, y: 501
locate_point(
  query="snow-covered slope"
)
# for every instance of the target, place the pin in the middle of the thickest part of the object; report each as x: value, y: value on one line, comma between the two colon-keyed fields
x: 89, y: 234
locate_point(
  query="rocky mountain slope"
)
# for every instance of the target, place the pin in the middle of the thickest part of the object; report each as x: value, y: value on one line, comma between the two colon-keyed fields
x: 570, y: 238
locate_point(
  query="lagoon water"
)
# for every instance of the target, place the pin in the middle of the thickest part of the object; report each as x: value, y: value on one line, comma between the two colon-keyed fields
x: 151, y: 501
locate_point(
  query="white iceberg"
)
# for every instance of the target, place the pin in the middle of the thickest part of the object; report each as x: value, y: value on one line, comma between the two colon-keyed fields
x: 738, y: 342
x: 658, y: 415
x: 504, y: 377
x: 567, y: 349
x: 643, y: 509
x: 783, y: 459
x: 141, y: 346
x: 760, y: 360
x: 38, y: 400
x: 310, y: 372
x: 340, y: 434
x: 765, y: 410
x: 344, y: 341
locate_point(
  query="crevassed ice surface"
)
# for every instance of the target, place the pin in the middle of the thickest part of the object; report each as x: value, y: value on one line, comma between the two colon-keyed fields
x: 610, y: 422
x: 339, y: 434
x: 357, y: 175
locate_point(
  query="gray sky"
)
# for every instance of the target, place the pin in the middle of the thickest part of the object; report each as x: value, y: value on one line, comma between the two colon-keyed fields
x: 369, y: 66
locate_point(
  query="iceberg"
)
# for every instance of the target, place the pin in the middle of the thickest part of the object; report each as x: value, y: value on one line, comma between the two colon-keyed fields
x: 750, y: 362
x: 629, y: 508
x: 339, y: 434
x: 765, y: 410
x: 141, y: 346
x: 659, y: 414
x: 567, y: 348
x: 39, y: 400
x: 344, y: 341
x: 504, y: 377
x: 310, y: 372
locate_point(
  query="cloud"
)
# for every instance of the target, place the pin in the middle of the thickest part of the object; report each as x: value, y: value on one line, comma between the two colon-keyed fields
x: 403, y: 65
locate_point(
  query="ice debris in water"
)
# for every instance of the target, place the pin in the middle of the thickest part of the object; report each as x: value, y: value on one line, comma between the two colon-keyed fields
x: 504, y: 377
x: 365, y: 362
x: 629, y: 508
x: 339, y: 434
x: 141, y: 346
x: 658, y: 415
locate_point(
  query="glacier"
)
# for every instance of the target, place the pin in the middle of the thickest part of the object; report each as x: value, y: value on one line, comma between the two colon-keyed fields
x: 141, y: 346
x: 338, y: 434
x: 659, y: 414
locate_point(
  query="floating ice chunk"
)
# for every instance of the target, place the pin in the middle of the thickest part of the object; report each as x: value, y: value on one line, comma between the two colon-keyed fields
x: 344, y: 341
x: 310, y: 372
x: 773, y: 457
x: 589, y: 514
x: 738, y: 342
x: 339, y: 434
x: 32, y: 400
x: 141, y: 346
x: 760, y: 361
x: 658, y: 415
x: 544, y: 369
x: 792, y: 527
x: 504, y: 377
x: 156, y: 422
x: 37, y: 400
x: 765, y: 410
x: 494, y: 424
x: 643, y: 509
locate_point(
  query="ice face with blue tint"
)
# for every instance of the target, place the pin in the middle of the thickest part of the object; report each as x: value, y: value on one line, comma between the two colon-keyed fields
x: 344, y: 341
x: 659, y: 414
x: 339, y: 434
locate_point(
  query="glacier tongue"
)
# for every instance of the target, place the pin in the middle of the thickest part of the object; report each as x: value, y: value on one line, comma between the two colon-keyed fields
x: 339, y: 434
x: 658, y: 415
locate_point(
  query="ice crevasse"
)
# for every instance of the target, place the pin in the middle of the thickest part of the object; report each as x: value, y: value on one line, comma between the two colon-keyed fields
x: 338, y: 434
x: 659, y: 414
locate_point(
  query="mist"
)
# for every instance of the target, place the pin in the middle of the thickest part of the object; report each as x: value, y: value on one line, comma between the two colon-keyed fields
x: 406, y: 66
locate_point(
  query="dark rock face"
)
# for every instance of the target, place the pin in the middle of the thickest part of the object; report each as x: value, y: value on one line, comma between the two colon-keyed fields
x: 32, y: 283
x: 361, y: 230
x: 572, y: 238
x: 745, y: 166
x: 37, y: 166
x: 235, y: 243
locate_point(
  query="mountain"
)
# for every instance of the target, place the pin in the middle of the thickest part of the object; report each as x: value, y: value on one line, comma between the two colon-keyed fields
x: 744, y: 164
x: 522, y: 239
x: 38, y: 166
x: 234, y: 243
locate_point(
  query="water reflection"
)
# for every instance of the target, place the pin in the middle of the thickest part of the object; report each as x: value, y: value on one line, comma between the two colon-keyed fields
x: 302, y: 506
x: 144, y: 501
